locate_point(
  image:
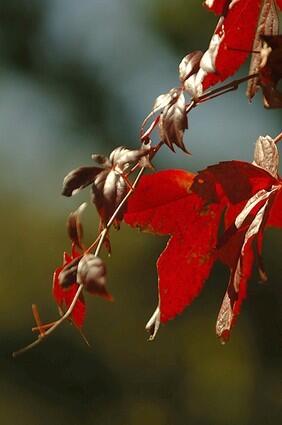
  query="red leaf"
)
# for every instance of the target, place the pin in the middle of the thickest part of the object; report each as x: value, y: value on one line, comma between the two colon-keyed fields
x: 230, y: 45
x: 163, y: 204
x: 152, y: 205
x: 235, y: 180
x: 238, y: 27
x: 253, y: 200
x: 189, y: 208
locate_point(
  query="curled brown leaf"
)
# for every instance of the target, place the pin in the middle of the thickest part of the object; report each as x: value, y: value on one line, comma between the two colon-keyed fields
x: 271, y: 73
x: 173, y: 122
x: 79, y: 179
x: 109, y: 184
x: 67, y: 276
x: 92, y: 274
x: 268, y: 23
x: 74, y: 226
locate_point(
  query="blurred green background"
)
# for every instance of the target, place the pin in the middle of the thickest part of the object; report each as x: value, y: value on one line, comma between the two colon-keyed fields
x: 78, y: 77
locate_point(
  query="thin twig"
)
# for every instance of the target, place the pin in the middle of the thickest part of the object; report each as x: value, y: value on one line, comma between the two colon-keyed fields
x: 101, y: 237
x: 190, y: 106
x: 92, y: 246
x: 278, y: 138
x: 144, y: 136
x: 36, y: 316
x: 55, y: 325
x: 233, y: 85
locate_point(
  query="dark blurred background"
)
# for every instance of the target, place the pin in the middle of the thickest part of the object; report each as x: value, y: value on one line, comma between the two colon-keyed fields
x: 78, y: 77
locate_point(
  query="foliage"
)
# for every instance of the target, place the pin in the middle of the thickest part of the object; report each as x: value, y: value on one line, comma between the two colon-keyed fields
x: 188, y: 207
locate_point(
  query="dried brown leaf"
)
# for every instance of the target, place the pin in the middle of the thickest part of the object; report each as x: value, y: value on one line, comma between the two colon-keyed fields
x: 92, y: 274
x: 74, y: 226
x: 173, y: 122
x: 78, y: 179
x: 268, y: 24
x: 67, y: 276
x: 271, y: 72
x: 266, y: 155
x: 165, y: 100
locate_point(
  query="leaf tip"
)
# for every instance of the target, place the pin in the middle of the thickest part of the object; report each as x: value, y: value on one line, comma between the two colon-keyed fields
x: 153, y: 324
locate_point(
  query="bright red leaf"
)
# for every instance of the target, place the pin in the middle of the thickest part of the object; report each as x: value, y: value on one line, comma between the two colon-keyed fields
x: 230, y: 45
x: 163, y: 204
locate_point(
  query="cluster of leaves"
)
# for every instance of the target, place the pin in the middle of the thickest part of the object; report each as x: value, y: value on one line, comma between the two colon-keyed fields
x: 188, y: 207
x: 190, y: 210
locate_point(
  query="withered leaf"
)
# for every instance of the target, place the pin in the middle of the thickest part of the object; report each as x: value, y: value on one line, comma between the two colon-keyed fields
x: 78, y: 179
x: 122, y: 158
x: 268, y: 23
x: 67, y: 276
x: 109, y: 183
x: 266, y: 155
x: 173, y: 122
x: 271, y: 72
x: 108, y: 190
x: 92, y: 274
x: 74, y: 226
x: 165, y: 100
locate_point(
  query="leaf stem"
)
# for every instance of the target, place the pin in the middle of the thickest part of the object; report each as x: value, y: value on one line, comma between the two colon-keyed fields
x: 233, y: 85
